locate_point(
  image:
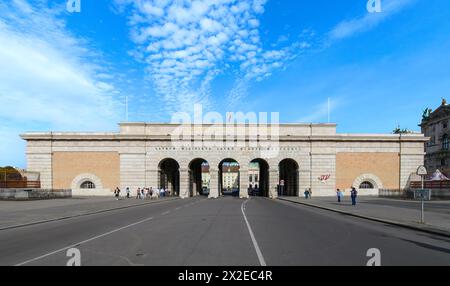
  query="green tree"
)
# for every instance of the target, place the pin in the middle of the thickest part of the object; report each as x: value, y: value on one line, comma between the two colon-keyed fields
x: 10, y: 173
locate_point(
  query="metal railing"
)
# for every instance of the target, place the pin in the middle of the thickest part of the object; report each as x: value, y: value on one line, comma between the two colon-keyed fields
x: 431, y: 185
x: 20, y: 184
x: 396, y: 193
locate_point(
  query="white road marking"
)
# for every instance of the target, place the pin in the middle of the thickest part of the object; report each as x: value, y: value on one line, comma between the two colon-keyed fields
x: 262, y: 262
x: 84, y: 241
x: 166, y: 213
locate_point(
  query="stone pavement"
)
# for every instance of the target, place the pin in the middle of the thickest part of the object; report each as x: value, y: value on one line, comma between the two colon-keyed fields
x: 16, y: 213
x: 437, y: 213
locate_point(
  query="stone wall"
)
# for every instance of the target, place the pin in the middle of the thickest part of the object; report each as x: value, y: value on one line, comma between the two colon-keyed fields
x: 33, y: 194
x: 350, y: 166
x: 69, y: 165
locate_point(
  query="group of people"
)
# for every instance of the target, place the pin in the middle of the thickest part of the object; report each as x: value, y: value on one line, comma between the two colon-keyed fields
x: 143, y: 193
x: 339, y: 193
x: 353, y: 195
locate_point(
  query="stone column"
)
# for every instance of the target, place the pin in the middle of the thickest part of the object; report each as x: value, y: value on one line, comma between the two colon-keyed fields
x: 152, y: 178
x: 214, y: 184
x: 273, y: 183
x: 43, y: 164
x: 243, y: 183
x: 132, y: 170
x: 184, y: 183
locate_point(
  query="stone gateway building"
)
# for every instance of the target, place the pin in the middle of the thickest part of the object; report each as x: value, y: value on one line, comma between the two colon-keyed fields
x: 296, y: 156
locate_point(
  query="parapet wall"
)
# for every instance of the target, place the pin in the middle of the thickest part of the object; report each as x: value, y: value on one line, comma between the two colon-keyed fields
x: 33, y: 194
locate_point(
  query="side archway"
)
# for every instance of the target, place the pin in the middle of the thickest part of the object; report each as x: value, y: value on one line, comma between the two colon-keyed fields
x: 289, y: 175
x: 169, y: 176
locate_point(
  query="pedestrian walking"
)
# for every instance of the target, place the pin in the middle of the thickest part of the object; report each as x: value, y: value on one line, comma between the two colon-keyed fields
x: 339, y: 195
x: 138, y: 194
x: 306, y: 193
x: 117, y: 193
x: 151, y: 193
x: 128, y: 192
x: 354, y: 195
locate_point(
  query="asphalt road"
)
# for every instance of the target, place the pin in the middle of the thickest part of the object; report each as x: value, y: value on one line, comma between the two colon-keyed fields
x: 216, y: 232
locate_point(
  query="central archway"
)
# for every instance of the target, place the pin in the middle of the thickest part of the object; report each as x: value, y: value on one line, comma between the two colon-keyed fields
x: 199, y: 178
x: 169, y: 176
x: 229, y: 178
x: 288, y: 169
x: 259, y: 178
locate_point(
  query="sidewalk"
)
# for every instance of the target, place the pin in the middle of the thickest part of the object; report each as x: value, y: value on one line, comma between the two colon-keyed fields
x: 399, y: 212
x: 16, y: 213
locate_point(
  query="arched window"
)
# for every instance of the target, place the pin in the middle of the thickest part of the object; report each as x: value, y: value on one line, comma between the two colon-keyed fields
x: 445, y: 142
x: 366, y: 185
x: 87, y: 185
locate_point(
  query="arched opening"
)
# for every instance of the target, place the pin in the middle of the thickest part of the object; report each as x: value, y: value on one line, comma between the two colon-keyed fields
x: 86, y: 181
x: 87, y: 185
x: 366, y: 185
x: 229, y: 178
x: 169, y: 177
x: 258, y: 178
x: 199, y: 178
x: 288, y: 183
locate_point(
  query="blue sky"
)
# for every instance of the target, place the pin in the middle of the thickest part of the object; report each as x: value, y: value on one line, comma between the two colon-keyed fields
x: 62, y: 71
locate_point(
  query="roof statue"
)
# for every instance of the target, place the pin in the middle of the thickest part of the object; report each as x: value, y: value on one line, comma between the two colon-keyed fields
x: 426, y: 114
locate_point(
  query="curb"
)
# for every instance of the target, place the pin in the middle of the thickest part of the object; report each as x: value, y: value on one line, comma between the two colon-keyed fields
x: 411, y: 227
x: 85, y: 214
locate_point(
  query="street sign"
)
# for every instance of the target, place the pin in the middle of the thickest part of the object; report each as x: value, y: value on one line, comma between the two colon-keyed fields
x: 422, y: 171
x: 423, y: 194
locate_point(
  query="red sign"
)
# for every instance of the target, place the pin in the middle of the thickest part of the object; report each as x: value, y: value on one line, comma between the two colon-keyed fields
x: 324, y: 178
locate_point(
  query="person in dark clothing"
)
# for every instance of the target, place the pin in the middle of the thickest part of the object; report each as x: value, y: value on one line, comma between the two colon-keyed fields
x: 354, y: 195
x: 117, y: 193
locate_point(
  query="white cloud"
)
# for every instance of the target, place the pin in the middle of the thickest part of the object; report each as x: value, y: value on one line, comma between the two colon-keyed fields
x: 192, y: 40
x: 349, y: 28
x: 319, y: 113
x: 48, y: 77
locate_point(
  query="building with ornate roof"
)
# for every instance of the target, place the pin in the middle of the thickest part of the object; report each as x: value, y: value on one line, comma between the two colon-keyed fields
x: 436, y: 125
